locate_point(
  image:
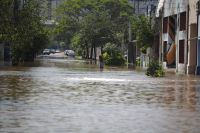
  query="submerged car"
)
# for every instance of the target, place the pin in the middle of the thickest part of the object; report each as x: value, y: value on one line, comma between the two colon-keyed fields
x: 46, y: 51
x: 69, y: 53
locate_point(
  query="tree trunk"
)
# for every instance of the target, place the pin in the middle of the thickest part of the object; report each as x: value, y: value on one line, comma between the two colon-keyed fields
x: 95, y: 53
x: 91, y: 52
x: 87, y: 52
x: 101, y: 50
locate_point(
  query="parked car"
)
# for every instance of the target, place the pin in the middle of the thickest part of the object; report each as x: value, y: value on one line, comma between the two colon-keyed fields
x: 57, y: 51
x: 46, y: 51
x: 69, y: 53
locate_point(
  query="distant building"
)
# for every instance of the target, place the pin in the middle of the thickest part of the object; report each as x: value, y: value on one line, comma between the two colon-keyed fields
x: 51, y: 6
x: 144, y: 7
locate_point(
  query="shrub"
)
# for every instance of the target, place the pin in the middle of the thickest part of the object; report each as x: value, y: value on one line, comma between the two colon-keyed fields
x: 155, y: 69
x: 113, y: 56
x: 138, y: 61
x: 113, y: 60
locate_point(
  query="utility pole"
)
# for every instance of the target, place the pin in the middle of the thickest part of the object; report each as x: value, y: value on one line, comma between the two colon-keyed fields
x: 177, y: 35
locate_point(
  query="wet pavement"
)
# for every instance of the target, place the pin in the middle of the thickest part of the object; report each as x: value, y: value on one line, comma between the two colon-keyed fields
x: 71, y: 96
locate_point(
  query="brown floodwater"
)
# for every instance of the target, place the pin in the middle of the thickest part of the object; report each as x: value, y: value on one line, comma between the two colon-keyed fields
x: 70, y: 96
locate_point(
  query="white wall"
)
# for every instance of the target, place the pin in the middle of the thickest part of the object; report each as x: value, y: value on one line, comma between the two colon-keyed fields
x: 171, y: 7
x: 165, y: 37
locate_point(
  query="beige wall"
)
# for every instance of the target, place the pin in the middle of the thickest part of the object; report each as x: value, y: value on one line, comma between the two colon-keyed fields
x: 192, y: 13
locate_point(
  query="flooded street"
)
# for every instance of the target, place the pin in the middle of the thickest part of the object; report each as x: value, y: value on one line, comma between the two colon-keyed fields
x: 70, y: 96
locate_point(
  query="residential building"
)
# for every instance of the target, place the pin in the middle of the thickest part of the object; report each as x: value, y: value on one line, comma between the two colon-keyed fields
x: 178, y: 37
x: 173, y: 34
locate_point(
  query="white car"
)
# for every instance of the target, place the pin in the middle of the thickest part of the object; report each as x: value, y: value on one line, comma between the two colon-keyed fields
x: 57, y: 51
x: 46, y: 51
x: 69, y: 53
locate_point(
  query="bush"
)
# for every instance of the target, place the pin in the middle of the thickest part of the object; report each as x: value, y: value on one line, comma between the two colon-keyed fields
x: 155, y: 69
x: 138, y: 61
x: 114, y: 60
x: 112, y: 56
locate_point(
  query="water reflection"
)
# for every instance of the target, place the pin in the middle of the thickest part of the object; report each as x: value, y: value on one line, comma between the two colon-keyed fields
x: 73, y: 96
x: 14, y: 87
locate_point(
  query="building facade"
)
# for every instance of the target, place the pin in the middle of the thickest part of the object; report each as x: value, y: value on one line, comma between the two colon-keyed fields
x: 178, y: 37
x: 51, y: 6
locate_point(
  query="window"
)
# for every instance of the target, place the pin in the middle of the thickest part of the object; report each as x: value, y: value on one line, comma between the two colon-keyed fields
x: 181, y: 51
x: 183, y: 21
x: 164, y: 50
x: 165, y: 24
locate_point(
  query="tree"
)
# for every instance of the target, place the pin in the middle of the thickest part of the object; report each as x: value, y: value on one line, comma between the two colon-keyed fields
x: 94, y: 22
x: 6, y: 14
x: 96, y: 30
x: 143, y: 32
x: 112, y: 55
x: 23, y: 28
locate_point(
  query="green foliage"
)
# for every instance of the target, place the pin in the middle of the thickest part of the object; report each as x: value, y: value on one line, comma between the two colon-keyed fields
x: 21, y: 27
x: 6, y: 13
x: 138, y: 61
x: 112, y: 55
x: 77, y: 43
x: 39, y: 42
x: 155, y: 69
x: 97, y: 22
x: 143, y: 32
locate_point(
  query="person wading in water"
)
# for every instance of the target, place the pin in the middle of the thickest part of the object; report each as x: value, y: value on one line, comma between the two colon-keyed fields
x: 101, y: 64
